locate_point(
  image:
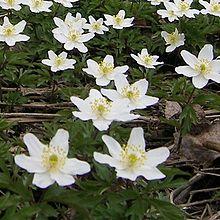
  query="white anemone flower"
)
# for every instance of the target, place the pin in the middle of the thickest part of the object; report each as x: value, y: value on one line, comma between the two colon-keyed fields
x: 157, y: 2
x: 118, y: 21
x: 201, y: 69
x: 66, y: 3
x: 58, y: 62
x: 105, y: 71
x: 212, y: 8
x: 171, y: 11
x: 131, y: 160
x: 50, y: 162
x: 96, y: 26
x: 146, y: 60
x: 11, y: 4
x: 10, y: 34
x: 184, y: 8
x: 101, y: 111
x: 175, y: 39
x: 135, y: 93
x: 37, y: 6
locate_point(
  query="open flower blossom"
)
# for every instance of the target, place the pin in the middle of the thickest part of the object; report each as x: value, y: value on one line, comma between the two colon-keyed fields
x: 171, y: 11
x: 156, y: 2
x: 201, y: 69
x: 50, y: 162
x: 101, y: 111
x: 118, y: 21
x: 131, y: 160
x: 96, y: 26
x: 212, y: 8
x: 104, y: 71
x: 66, y: 3
x: 135, y: 93
x: 59, y: 62
x: 37, y: 6
x: 10, y: 34
x: 184, y: 8
x: 146, y: 60
x: 11, y: 4
x: 174, y: 39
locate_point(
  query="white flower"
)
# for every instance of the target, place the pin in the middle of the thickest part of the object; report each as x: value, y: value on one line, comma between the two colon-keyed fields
x: 174, y: 39
x: 49, y: 162
x: 184, y: 8
x: 96, y: 26
x: 11, y: 4
x: 37, y: 6
x: 212, y: 8
x: 201, y: 69
x: 105, y: 71
x: 118, y: 21
x: 135, y: 93
x: 145, y: 59
x: 157, y: 2
x: 171, y: 11
x: 66, y: 3
x: 101, y: 111
x: 10, y: 33
x: 131, y: 160
x: 59, y: 62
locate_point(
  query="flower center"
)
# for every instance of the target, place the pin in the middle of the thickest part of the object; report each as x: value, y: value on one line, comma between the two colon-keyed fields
x: 215, y: 7
x: 10, y: 2
x: 204, y: 67
x: 132, y: 156
x: 171, y: 13
x: 173, y: 38
x: 73, y: 36
x: 37, y: 3
x: 131, y: 92
x: 184, y: 6
x: 9, y: 31
x: 105, y: 68
x: 148, y: 60
x: 101, y: 106
x: 96, y: 26
x: 118, y: 20
x: 53, y: 158
x: 59, y: 61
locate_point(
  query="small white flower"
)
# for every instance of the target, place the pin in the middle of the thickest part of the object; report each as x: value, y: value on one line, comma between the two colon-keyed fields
x: 105, y: 71
x: 10, y: 33
x: 101, y: 111
x: 212, y: 8
x: 131, y: 160
x: 96, y: 26
x: 135, y: 93
x: 174, y: 39
x: 146, y: 60
x: 11, y: 4
x: 201, y: 69
x: 118, y: 21
x: 157, y: 2
x: 49, y: 162
x: 59, y: 62
x: 66, y: 3
x: 184, y: 8
x: 37, y: 6
x: 171, y: 11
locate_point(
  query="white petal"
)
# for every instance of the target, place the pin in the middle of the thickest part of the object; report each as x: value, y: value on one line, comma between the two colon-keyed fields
x: 102, y: 125
x: 151, y: 173
x: 215, y: 66
x: 137, y: 138
x: 142, y: 86
x: 74, y: 166
x: 42, y: 180
x: 127, y: 174
x: 206, y: 52
x: 214, y: 76
x: 35, y: 147
x: 113, y: 146
x: 146, y: 100
x: 186, y: 71
x: 157, y: 156
x: 61, y: 140
x: 189, y: 58
x: 103, y: 81
x: 109, y: 59
x: 62, y: 179
x: 31, y: 164
x: 111, y: 94
x: 121, y: 82
x: 199, y: 81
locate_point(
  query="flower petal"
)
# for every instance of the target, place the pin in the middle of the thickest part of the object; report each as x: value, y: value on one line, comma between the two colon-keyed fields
x: 199, y: 81
x: 42, y: 180
x: 189, y: 58
x: 62, y: 179
x: 186, y: 71
x: 127, y: 174
x: 151, y: 173
x: 137, y: 138
x: 206, y: 52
